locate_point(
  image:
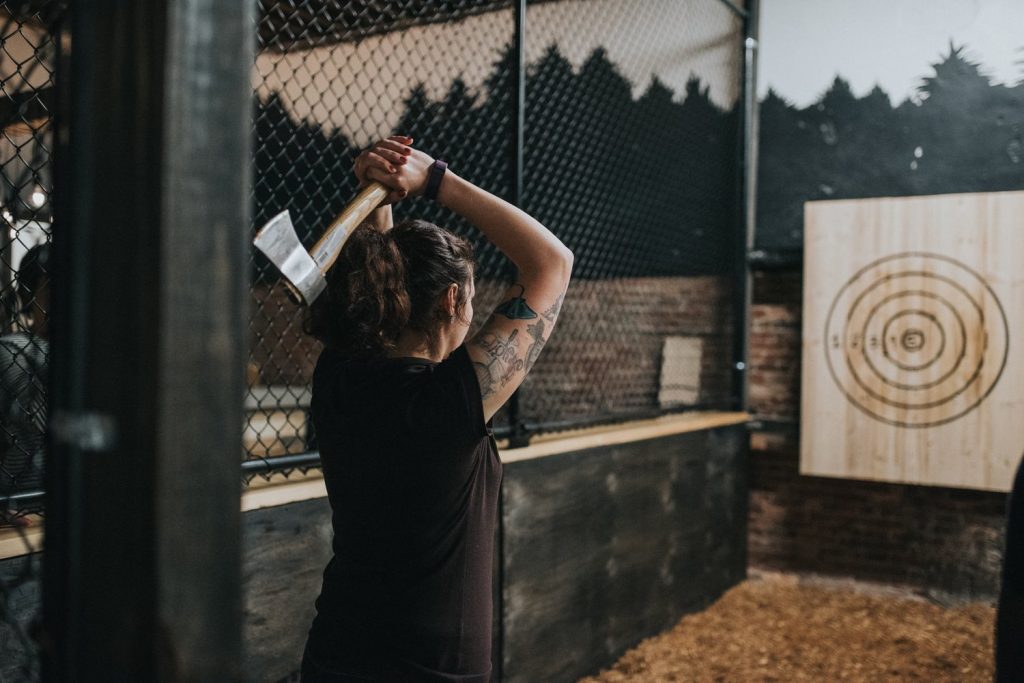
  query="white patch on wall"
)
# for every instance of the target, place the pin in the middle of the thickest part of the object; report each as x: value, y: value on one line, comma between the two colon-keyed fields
x: 680, y: 371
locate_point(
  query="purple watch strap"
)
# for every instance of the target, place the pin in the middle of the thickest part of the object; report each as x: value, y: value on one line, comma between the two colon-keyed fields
x: 434, y: 177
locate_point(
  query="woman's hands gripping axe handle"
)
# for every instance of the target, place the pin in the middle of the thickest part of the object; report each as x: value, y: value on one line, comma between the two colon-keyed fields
x: 304, y: 271
x: 391, y: 161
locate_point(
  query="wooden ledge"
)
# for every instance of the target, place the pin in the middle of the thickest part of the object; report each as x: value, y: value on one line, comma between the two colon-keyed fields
x: 13, y: 541
x: 291, y: 490
x: 628, y: 432
x: 277, y: 490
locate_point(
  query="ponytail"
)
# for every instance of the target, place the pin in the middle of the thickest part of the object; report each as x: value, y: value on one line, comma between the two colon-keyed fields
x: 386, y: 282
x: 365, y: 305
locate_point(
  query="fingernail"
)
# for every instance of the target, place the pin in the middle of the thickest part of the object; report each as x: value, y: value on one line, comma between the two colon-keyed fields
x: 401, y: 193
x: 408, y: 151
x: 393, y: 169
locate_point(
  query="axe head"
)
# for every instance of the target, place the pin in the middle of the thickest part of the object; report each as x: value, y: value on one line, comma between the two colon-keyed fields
x: 278, y: 241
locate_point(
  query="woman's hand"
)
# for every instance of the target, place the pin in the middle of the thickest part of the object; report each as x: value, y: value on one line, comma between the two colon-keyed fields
x: 396, y: 165
x: 381, y: 162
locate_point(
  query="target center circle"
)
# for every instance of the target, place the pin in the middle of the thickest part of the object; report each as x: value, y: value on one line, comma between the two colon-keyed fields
x: 913, y: 332
x: 912, y: 340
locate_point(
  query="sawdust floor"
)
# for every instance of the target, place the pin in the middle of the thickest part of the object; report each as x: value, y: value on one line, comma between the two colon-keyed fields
x: 783, y: 631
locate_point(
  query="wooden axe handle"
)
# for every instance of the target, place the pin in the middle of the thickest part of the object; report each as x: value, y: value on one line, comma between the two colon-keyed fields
x: 325, y: 252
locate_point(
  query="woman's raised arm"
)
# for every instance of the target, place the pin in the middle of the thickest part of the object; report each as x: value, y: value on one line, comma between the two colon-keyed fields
x: 509, y: 343
x: 507, y: 346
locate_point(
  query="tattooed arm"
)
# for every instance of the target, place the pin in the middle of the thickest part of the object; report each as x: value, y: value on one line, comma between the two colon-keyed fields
x: 508, y: 345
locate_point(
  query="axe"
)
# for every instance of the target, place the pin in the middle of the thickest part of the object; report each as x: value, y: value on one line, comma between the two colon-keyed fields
x: 304, y: 271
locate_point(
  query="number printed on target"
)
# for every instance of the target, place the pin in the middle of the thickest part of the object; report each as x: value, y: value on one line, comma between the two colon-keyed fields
x: 916, y: 339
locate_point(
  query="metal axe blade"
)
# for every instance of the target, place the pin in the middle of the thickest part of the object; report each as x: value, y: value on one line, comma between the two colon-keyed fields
x: 278, y: 241
x: 304, y: 271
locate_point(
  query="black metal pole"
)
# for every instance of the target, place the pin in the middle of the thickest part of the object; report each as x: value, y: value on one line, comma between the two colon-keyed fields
x: 142, y: 565
x: 519, y: 436
x: 748, y: 202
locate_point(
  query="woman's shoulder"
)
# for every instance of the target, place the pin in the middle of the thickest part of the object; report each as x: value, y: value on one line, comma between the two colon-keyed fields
x: 363, y: 374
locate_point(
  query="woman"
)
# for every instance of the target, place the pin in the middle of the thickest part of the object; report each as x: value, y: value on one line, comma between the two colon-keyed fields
x: 402, y: 405
x: 24, y: 359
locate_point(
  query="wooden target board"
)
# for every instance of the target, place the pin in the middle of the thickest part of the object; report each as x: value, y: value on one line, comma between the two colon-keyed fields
x: 911, y: 369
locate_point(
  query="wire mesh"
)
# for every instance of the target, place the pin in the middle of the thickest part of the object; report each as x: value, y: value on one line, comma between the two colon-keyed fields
x: 631, y: 157
x: 324, y: 90
x: 27, y: 63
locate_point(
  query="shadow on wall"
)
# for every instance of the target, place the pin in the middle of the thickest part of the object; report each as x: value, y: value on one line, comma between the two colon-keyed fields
x: 965, y: 135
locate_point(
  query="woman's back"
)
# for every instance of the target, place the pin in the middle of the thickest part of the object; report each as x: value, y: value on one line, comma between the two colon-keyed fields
x: 412, y: 475
x: 411, y: 468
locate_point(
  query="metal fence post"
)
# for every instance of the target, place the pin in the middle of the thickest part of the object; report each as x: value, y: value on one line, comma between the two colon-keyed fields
x: 142, y: 565
x: 519, y: 436
x: 748, y: 213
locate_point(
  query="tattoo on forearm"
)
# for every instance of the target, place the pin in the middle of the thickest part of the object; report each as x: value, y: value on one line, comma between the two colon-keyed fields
x: 516, y: 308
x: 502, y: 364
x: 536, y: 332
x: 552, y: 312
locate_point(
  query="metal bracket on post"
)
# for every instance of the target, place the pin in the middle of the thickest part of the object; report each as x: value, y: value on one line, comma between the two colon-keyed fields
x: 520, y: 436
x: 84, y: 431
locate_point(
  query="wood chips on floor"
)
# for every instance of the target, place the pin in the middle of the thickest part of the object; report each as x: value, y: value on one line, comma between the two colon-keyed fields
x: 783, y: 631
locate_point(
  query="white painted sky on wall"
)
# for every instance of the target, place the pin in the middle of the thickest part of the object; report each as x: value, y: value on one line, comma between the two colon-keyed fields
x: 806, y: 43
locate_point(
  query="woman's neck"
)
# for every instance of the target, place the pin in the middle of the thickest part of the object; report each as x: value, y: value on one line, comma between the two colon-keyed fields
x: 412, y: 344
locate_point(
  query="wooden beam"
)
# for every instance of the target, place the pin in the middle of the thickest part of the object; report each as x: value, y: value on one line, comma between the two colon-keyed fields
x: 142, y: 569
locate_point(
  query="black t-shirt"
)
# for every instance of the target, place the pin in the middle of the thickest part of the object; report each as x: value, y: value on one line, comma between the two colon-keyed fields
x: 413, y: 477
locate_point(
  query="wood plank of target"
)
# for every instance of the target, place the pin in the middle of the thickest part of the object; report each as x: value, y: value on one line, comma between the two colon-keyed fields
x: 913, y: 328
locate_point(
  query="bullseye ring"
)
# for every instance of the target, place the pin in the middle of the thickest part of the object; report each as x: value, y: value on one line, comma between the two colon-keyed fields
x: 924, y: 343
x: 916, y: 339
x: 912, y: 339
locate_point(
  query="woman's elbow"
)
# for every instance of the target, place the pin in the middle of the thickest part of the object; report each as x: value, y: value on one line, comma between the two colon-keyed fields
x: 555, y: 263
x: 565, y: 261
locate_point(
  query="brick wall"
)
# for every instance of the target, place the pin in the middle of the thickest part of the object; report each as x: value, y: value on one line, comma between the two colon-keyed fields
x: 943, y: 541
x: 605, y: 355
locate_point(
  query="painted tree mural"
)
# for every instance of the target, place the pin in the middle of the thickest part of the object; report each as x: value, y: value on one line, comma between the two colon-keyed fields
x: 641, y: 186
x: 965, y: 135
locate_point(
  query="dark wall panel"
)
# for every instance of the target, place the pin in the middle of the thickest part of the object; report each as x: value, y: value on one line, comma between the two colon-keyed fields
x: 284, y: 552
x: 19, y: 577
x: 607, y: 546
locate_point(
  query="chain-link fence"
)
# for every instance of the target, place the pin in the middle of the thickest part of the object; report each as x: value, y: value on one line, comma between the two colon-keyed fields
x: 616, y: 124
x: 27, y: 63
x: 629, y: 151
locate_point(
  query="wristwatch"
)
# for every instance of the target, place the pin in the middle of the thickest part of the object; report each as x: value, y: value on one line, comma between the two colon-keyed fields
x: 434, y: 177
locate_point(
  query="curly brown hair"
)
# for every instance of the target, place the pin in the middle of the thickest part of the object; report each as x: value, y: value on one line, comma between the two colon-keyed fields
x: 386, y: 282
